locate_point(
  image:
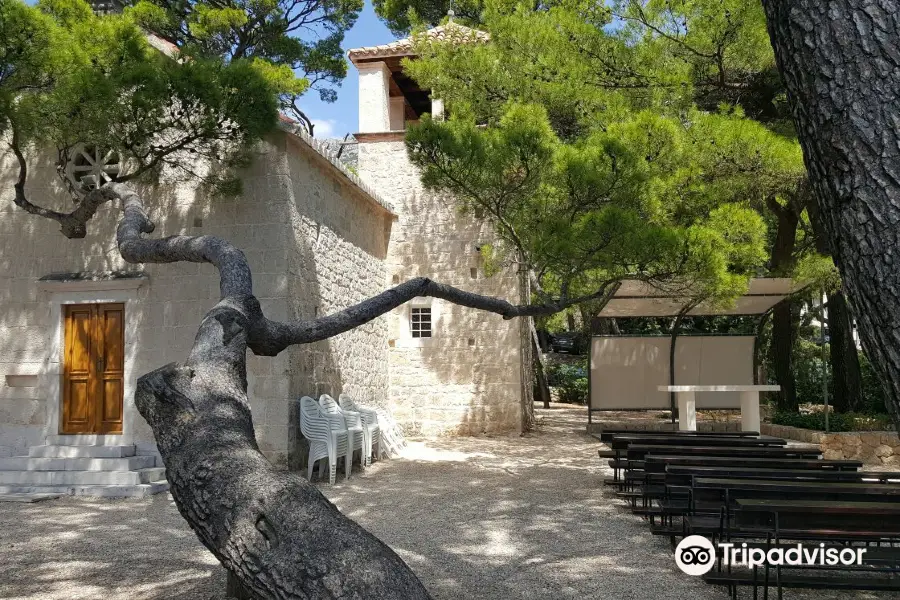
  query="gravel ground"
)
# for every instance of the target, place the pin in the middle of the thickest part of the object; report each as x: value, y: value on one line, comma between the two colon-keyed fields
x: 488, y: 518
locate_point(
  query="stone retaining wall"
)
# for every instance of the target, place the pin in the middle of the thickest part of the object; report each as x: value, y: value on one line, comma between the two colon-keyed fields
x: 871, y: 447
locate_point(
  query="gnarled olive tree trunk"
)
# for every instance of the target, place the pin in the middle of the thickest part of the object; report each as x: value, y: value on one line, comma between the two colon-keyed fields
x: 277, y: 535
x: 274, y: 532
x: 840, y: 60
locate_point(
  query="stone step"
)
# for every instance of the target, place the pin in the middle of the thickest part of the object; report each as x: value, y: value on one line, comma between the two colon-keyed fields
x: 26, y: 463
x: 84, y: 440
x: 52, y: 478
x: 105, y: 491
x: 56, y: 451
x: 26, y: 497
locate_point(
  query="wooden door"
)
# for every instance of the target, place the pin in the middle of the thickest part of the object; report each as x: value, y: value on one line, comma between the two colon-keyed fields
x: 93, y: 368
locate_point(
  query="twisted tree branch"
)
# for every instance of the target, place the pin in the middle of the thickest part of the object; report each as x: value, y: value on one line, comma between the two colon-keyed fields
x: 267, y: 337
x: 74, y: 224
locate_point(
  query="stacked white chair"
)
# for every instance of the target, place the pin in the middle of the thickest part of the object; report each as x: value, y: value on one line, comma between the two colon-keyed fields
x: 391, y: 433
x: 328, y: 438
x: 358, y: 436
x: 370, y: 424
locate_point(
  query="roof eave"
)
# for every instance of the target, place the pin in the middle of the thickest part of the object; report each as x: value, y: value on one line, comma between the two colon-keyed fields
x: 292, y: 129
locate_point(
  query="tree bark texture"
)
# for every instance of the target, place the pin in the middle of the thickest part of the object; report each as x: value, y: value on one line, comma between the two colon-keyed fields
x: 840, y: 61
x: 782, y: 348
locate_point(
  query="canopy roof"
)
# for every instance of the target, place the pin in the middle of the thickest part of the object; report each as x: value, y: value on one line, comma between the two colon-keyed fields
x: 639, y: 299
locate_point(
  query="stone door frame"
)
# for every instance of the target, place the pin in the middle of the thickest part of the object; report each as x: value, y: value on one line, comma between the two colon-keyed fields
x: 59, y: 293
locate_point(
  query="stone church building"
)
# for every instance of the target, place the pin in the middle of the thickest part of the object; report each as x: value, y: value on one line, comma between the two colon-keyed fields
x: 78, y: 325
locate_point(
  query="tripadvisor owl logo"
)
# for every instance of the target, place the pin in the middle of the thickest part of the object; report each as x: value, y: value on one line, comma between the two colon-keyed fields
x: 695, y: 555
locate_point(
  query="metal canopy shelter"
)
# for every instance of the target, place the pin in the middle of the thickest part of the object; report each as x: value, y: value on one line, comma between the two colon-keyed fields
x: 639, y: 299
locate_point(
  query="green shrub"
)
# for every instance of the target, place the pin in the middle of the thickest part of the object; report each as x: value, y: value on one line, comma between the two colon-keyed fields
x: 559, y: 372
x: 807, y: 358
x: 570, y: 380
x: 808, y: 372
x: 574, y: 391
x: 837, y: 422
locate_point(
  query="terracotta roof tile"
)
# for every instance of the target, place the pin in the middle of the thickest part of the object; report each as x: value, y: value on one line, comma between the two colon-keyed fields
x: 451, y: 32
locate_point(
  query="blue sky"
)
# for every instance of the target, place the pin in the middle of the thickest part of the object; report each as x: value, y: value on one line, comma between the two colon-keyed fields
x: 338, y: 118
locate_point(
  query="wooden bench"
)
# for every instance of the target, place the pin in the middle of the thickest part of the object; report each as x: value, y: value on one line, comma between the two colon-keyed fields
x: 639, y: 451
x: 876, y: 519
x: 821, y: 582
x: 621, y: 442
x: 773, y: 489
x: 728, y: 491
x: 682, y: 474
x: 655, y: 459
x: 607, y: 434
x: 659, y: 463
x: 829, y: 521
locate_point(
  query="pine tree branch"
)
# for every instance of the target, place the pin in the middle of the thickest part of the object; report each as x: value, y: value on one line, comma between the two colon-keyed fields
x: 267, y: 337
x: 74, y: 224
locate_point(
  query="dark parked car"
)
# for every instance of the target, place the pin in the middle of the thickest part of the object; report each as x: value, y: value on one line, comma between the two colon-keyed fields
x: 566, y: 342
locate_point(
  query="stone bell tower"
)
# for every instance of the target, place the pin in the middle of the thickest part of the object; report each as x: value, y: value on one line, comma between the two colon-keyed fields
x: 452, y: 369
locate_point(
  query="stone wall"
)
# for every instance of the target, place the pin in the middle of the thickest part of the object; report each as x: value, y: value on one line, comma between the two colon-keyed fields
x: 336, y: 259
x: 292, y: 201
x: 871, y: 447
x: 467, y: 378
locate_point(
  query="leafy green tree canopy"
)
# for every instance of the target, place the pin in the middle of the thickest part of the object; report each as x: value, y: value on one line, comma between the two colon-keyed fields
x: 68, y: 76
x: 287, y: 37
x: 614, y: 204
x: 629, y: 164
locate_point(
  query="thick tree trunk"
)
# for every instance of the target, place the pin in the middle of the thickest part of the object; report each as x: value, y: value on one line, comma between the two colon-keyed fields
x: 782, y: 347
x: 604, y: 326
x: 840, y: 60
x: 542, y: 387
x: 784, y: 330
x: 273, y: 530
x: 275, y: 533
x: 846, y: 375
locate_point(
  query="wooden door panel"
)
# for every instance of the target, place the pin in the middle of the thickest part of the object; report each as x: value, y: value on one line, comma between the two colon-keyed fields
x: 77, y: 417
x: 112, y: 406
x: 77, y: 370
x: 93, y: 368
x: 112, y: 337
x: 111, y: 367
x: 79, y: 343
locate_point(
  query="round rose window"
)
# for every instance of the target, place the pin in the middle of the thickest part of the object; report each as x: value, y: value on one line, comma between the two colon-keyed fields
x: 89, y: 167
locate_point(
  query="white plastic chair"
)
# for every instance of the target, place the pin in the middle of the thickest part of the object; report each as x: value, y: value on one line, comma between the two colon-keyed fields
x: 391, y: 433
x: 370, y: 424
x: 359, y: 438
x: 328, y: 438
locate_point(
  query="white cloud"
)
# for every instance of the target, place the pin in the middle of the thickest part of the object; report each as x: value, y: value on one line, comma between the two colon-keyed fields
x: 324, y: 128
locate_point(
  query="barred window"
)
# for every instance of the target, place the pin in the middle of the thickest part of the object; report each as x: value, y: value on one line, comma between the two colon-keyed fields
x: 420, y: 322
